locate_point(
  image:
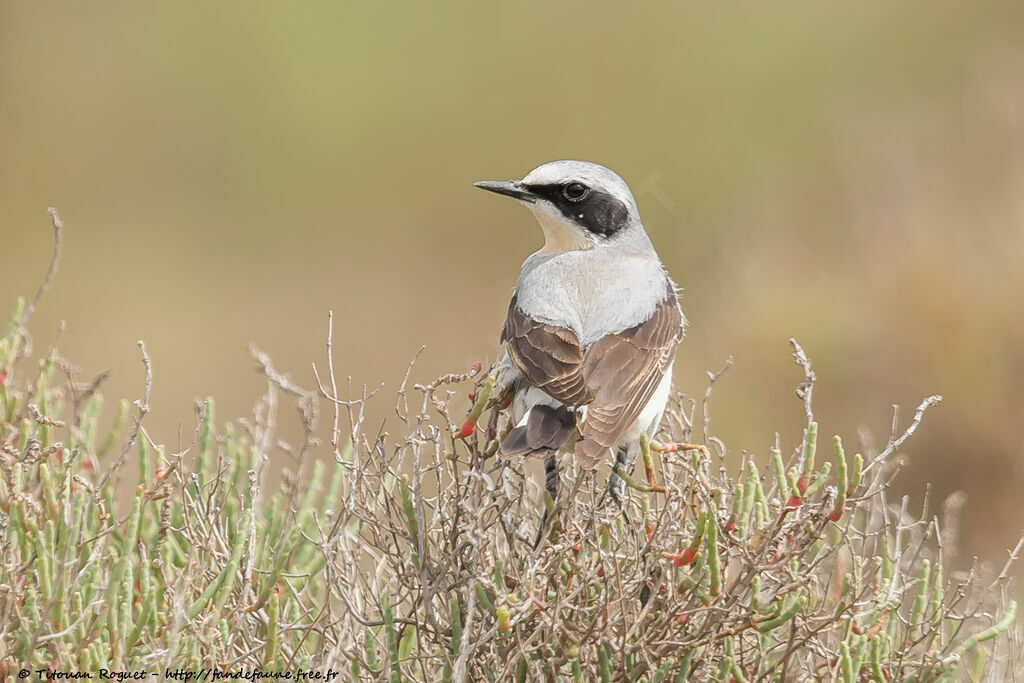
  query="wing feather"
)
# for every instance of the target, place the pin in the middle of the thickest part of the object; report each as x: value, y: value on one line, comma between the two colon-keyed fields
x: 549, y: 356
x: 614, y: 377
x: 623, y: 370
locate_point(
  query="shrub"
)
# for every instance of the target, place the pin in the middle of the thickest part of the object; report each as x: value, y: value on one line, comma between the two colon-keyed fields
x: 410, y: 556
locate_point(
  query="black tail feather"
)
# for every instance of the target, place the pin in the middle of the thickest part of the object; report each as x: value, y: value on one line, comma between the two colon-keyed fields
x: 546, y: 429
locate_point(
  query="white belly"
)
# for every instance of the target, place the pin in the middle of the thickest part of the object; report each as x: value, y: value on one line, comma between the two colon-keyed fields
x: 650, y: 416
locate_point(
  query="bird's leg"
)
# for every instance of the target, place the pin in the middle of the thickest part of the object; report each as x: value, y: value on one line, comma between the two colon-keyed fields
x: 616, y: 484
x: 551, y: 495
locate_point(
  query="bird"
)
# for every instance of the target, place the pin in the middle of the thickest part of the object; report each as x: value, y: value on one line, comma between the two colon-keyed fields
x: 592, y: 327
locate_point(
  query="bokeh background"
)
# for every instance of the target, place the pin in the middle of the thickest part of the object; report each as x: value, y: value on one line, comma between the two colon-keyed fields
x: 849, y: 174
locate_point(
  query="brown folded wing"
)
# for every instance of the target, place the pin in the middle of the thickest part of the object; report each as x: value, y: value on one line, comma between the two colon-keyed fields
x: 614, y: 377
x: 549, y: 356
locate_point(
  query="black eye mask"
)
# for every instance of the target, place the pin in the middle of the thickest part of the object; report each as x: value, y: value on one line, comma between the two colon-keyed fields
x: 598, y: 212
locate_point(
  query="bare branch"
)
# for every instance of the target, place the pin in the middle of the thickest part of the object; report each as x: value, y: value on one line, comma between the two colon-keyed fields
x: 58, y: 236
x: 805, y: 390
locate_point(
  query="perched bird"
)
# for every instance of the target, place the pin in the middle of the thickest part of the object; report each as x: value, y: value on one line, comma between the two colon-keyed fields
x: 593, y: 324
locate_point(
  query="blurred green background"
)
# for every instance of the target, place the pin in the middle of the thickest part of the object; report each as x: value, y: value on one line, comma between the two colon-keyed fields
x: 849, y: 174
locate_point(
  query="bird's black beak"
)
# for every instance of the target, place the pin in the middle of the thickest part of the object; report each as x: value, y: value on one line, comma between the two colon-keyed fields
x: 512, y: 189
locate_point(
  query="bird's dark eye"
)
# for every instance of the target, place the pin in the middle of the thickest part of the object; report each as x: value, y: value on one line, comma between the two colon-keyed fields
x: 574, y: 192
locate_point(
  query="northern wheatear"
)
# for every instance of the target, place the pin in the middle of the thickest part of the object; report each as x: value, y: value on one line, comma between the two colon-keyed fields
x: 593, y: 325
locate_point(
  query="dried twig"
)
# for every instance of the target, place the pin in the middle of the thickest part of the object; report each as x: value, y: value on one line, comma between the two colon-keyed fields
x: 44, y: 287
